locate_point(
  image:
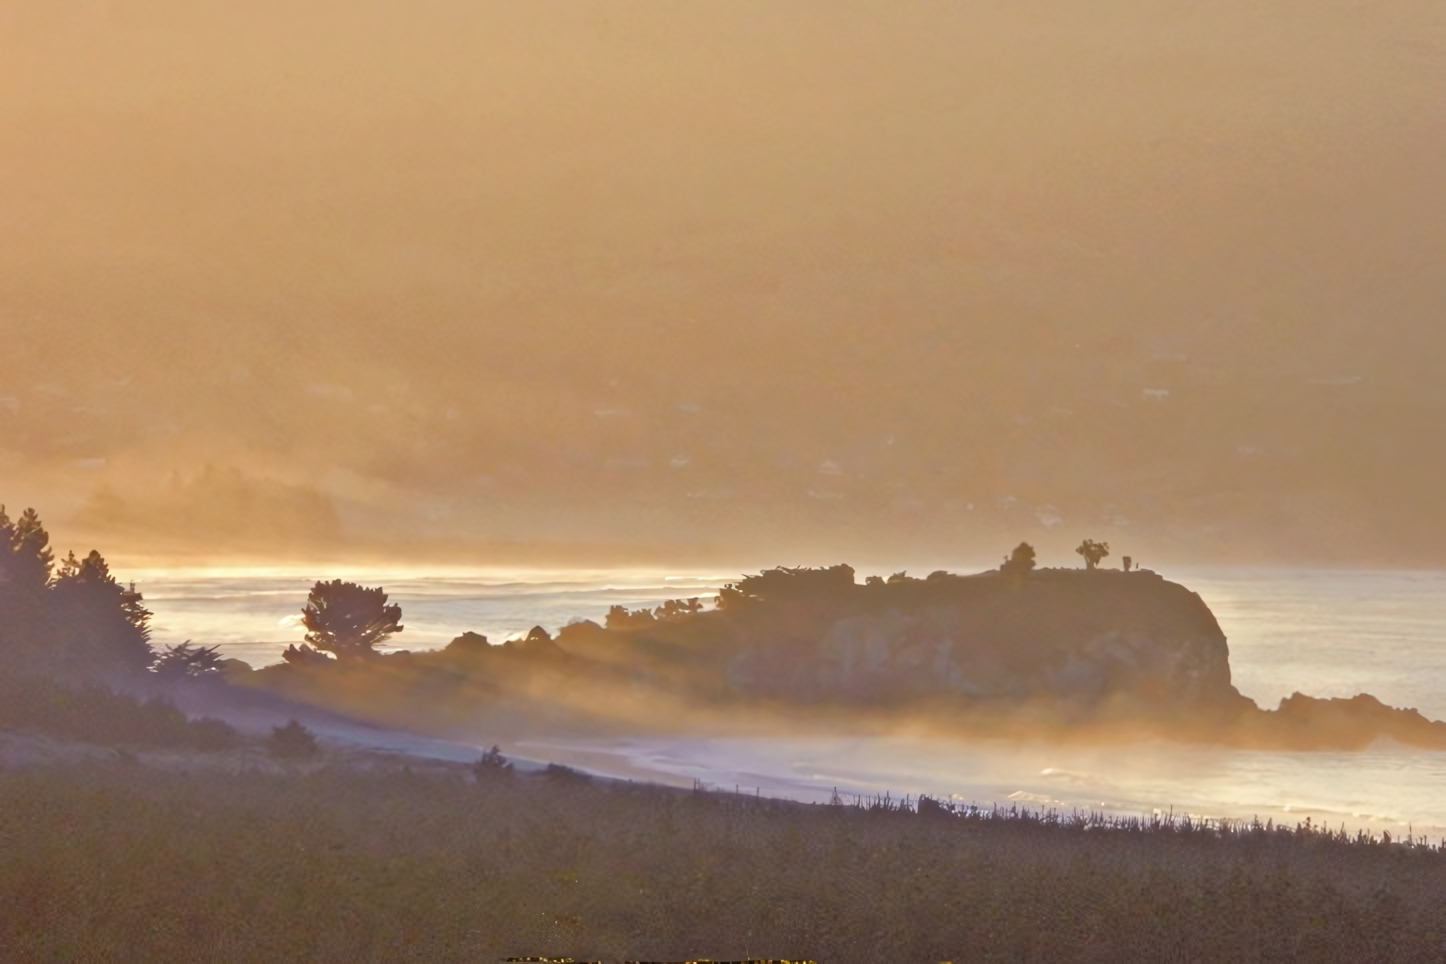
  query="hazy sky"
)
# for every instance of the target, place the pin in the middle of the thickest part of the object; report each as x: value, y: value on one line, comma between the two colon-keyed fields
x: 810, y: 277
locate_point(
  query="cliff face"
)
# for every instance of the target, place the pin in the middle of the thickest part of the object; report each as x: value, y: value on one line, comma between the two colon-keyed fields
x: 1073, y: 635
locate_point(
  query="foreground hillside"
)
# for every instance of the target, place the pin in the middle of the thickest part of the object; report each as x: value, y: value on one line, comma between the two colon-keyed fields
x: 124, y: 862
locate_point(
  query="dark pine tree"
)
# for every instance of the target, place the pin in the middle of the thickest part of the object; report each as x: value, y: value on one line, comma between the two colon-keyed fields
x: 100, y: 628
x: 26, y: 562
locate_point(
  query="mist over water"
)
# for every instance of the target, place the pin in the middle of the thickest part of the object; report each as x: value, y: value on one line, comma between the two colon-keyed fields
x: 1320, y: 632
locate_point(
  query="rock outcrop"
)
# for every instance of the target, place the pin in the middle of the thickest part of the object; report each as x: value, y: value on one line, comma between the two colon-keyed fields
x: 1308, y: 723
x: 1083, y: 645
x: 1065, y: 652
x: 1075, y: 635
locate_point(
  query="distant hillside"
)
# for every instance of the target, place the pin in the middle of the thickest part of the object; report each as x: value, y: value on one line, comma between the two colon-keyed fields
x: 810, y: 280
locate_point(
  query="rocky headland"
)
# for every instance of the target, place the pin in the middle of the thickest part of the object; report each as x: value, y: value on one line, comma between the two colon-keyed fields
x: 1068, y: 653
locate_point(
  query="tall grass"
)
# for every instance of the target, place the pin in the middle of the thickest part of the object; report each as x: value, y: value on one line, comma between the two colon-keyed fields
x: 1154, y: 823
x: 338, y: 864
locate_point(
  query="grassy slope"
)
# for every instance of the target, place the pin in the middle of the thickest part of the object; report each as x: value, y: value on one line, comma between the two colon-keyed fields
x: 126, y: 862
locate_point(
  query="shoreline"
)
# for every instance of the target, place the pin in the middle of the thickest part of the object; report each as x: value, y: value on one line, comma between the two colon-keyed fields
x: 1125, y: 779
x: 362, y: 749
x: 367, y: 855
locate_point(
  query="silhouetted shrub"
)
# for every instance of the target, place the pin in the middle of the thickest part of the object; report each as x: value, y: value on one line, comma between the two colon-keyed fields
x: 619, y: 617
x: 678, y: 608
x: 304, y: 655
x: 1020, y: 562
x: 292, y: 742
x: 786, y: 585
x: 562, y: 774
x: 491, y: 765
x: 211, y: 735
x: 188, y: 662
x: 929, y: 807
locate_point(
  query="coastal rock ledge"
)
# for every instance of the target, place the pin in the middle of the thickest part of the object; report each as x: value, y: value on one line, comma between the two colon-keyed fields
x: 1074, y: 635
x: 1069, y: 649
x: 1054, y: 653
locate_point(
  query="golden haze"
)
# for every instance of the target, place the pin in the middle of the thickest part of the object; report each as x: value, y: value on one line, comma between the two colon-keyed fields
x: 835, y: 278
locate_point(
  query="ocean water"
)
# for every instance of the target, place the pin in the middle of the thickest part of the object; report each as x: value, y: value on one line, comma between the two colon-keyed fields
x: 1320, y: 632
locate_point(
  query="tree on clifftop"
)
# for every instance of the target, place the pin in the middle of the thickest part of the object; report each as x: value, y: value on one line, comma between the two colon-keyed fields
x: 347, y: 619
x: 1093, y: 552
x: 1020, y: 562
x: 784, y: 585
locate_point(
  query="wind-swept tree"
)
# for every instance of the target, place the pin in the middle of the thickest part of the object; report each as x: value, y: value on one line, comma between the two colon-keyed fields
x: 1093, y: 552
x: 347, y: 619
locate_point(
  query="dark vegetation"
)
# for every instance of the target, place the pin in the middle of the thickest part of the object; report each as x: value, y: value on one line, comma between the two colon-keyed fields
x: 345, y: 620
x: 1020, y: 562
x: 125, y: 863
x: 95, y: 714
x: 1055, y: 653
x: 336, y: 861
x: 187, y: 661
x: 491, y: 765
x: 292, y: 742
x: 76, y: 659
x: 1093, y: 552
x: 76, y: 620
